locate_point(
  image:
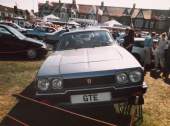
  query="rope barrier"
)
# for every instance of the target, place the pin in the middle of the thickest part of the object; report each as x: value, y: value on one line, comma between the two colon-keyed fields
x: 16, y: 120
x: 66, y: 111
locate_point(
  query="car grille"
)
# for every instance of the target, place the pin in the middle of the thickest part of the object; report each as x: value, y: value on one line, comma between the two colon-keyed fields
x: 84, y: 82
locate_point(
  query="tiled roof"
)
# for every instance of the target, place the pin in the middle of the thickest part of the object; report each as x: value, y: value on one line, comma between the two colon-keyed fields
x: 85, y: 9
x: 147, y: 14
x: 3, y: 8
x: 115, y: 11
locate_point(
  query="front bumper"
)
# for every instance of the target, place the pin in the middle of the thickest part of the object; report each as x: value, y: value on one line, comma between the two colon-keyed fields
x: 125, y: 94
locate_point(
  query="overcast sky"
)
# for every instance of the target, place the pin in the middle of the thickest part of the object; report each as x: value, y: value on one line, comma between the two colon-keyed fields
x: 149, y: 4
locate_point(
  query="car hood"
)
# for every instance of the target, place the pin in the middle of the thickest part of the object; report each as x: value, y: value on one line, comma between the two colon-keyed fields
x: 87, y: 60
x: 33, y: 41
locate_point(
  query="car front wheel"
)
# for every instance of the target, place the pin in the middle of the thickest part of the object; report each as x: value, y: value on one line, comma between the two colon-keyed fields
x: 31, y: 54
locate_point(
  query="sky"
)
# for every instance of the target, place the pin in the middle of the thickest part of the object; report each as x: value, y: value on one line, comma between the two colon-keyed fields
x: 147, y: 4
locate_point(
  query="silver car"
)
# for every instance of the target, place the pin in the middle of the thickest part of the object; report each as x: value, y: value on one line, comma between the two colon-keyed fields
x: 89, y: 69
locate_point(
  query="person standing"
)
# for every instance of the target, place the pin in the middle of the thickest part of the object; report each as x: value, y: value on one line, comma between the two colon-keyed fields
x: 129, y: 39
x: 160, y: 52
x: 147, y: 49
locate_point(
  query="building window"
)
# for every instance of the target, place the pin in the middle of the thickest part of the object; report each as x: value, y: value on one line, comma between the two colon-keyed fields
x: 161, y: 25
x: 91, y: 16
x: 11, y: 15
x: 73, y: 14
x: 6, y: 14
x: 62, y: 15
x: 139, y: 23
x: 146, y: 24
x: 151, y: 24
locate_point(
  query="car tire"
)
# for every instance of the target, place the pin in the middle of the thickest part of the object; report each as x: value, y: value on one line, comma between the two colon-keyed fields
x: 31, y: 54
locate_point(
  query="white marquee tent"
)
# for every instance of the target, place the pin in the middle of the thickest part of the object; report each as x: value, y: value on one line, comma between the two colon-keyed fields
x: 112, y: 23
x: 50, y: 18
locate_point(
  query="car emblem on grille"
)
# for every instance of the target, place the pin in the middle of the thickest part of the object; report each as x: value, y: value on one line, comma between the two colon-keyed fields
x: 89, y: 81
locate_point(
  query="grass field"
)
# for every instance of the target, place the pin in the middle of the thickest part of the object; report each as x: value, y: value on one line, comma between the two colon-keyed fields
x: 16, y: 75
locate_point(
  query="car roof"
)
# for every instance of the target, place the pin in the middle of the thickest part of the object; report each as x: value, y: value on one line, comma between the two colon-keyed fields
x: 142, y: 39
x: 85, y: 30
x: 6, y: 26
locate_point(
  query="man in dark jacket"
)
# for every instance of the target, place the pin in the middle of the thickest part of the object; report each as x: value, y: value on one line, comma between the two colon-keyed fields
x: 167, y: 61
x: 129, y: 39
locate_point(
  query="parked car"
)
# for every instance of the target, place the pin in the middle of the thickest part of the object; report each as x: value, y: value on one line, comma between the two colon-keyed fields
x: 138, y: 49
x: 120, y: 38
x: 13, y: 42
x: 14, y: 25
x: 39, y: 32
x: 53, y: 38
x: 89, y: 69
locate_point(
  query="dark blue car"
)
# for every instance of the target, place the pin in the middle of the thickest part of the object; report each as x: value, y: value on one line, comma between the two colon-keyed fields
x: 39, y: 32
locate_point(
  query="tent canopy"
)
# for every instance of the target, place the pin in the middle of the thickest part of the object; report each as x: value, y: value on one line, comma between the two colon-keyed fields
x: 112, y: 23
x: 19, y: 18
x: 50, y: 17
x: 73, y: 23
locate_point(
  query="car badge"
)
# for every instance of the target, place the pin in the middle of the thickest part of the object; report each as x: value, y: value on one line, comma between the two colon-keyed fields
x: 89, y: 81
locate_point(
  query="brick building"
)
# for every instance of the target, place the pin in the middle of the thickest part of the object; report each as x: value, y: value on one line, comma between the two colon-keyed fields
x: 142, y: 19
x: 8, y: 13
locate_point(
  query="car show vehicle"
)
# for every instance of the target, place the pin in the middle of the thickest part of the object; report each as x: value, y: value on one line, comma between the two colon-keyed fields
x: 89, y: 68
x: 138, y: 49
x: 12, y: 42
x: 16, y: 26
x: 39, y: 32
x: 53, y: 38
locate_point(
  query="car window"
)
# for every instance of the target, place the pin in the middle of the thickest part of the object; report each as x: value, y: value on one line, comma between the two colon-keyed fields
x: 86, y: 39
x: 16, y: 33
x: 50, y: 30
x: 14, y: 26
x: 38, y: 29
x: 139, y: 44
x: 4, y: 31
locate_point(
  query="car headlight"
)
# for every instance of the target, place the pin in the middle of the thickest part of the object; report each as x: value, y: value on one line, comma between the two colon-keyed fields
x: 122, y: 78
x: 135, y: 76
x: 43, y: 84
x: 57, y: 84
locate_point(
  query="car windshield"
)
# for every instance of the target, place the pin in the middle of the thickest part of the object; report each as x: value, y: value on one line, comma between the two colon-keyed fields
x: 17, y: 33
x: 87, y: 39
x: 17, y: 26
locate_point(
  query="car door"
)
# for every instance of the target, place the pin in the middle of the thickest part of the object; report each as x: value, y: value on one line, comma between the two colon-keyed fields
x: 5, y: 40
x: 9, y: 43
x: 138, y: 48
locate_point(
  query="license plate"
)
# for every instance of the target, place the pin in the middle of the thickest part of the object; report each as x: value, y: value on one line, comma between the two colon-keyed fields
x: 90, y: 98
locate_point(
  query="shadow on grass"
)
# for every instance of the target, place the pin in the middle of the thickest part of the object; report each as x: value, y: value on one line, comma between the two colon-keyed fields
x: 35, y: 114
x: 17, y: 58
x: 167, y: 81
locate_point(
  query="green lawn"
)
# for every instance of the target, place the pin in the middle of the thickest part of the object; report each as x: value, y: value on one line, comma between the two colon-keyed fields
x: 16, y: 75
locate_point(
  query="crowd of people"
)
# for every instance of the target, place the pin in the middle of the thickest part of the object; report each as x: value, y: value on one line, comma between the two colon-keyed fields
x: 159, y: 51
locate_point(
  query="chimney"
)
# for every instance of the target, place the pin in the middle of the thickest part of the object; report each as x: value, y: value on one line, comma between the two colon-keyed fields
x: 102, y: 4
